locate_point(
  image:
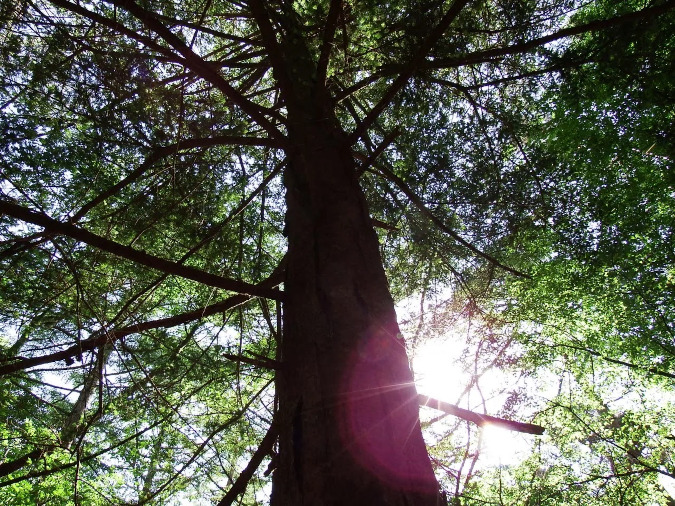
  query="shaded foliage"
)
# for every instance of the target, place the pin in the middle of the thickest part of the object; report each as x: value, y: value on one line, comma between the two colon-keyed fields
x: 521, y: 179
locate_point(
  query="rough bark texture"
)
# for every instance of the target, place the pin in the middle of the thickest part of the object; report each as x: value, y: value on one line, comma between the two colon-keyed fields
x: 349, y: 426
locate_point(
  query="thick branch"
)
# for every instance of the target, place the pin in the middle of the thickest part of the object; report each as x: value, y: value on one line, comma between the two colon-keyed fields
x: 593, y: 26
x: 109, y: 336
x: 367, y: 163
x: 264, y: 449
x: 199, y: 66
x: 491, y: 54
x: 119, y: 28
x: 140, y: 257
x: 327, y: 42
x: 480, y: 420
x: 270, y: 42
x: 11, y: 466
x: 264, y: 362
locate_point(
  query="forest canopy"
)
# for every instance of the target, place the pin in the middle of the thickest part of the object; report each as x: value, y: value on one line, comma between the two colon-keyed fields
x: 200, y: 201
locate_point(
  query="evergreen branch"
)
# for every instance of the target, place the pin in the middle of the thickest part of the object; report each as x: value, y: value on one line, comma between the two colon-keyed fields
x: 140, y: 257
x: 516, y: 77
x: 220, y: 428
x: 327, y: 42
x: 46, y: 472
x: 409, y: 70
x: 270, y: 42
x: 385, y: 71
x: 119, y: 28
x: 203, y: 69
x: 383, y: 225
x: 264, y: 362
x: 68, y: 465
x: 593, y: 26
x: 386, y: 142
x: 417, y: 202
x: 104, y: 336
x: 630, y: 365
x: 200, y: 28
x: 159, y: 153
x: 264, y: 449
x: 489, y: 55
x: 478, y: 419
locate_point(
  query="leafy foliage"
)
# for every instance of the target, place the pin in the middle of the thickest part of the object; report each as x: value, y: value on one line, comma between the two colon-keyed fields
x: 520, y: 177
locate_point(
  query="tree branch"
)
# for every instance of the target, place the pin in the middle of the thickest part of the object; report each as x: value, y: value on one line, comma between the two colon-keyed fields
x: 159, y: 153
x: 388, y: 139
x: 417, y: 202
x: 105, y: 336
x: 409, y: 70
x: 489, y: 54
x: 327, y: 42
x: 204, y: 29
x: 264, y: 362
x: 624, y: 363
x: 270, y: 42
x: 199, y: 66
x: 11, y: 466
x: 264, y: 449
x: 154, y: 156
x: 68, y: 465
x: 140, y: 257
x: 480, y: 420
x: 119, y: 28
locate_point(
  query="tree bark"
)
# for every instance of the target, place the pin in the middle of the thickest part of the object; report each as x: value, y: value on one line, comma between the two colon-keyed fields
x: 349, y: 418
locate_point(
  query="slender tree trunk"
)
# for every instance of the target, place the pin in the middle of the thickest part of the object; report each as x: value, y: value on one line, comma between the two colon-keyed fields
x: 349, y: 431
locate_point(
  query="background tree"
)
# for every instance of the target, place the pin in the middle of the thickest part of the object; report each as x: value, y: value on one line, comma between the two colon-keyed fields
x: 167, y: 167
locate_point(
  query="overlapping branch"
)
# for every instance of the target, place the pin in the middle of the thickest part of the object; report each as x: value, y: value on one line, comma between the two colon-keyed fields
x: 417, y: 202
x: 409, y: 69
x: 119, y: 28
x: 489, y: 55
x: 264, y: 449
x: 140, y: 257
x: 164, y: 151
x: 524, y: 47
x: 327, y: 43
x: 203, y: 69
x: 106, y: 336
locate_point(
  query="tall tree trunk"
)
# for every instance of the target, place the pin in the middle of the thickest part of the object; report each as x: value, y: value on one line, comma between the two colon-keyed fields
x: 350, y: 432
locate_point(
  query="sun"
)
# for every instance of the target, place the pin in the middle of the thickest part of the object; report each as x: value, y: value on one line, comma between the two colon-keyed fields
x: 439, y: 374
x: 435, y: 368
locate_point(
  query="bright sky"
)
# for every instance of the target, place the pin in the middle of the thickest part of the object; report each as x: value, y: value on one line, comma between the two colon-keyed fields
x: 439, y: 375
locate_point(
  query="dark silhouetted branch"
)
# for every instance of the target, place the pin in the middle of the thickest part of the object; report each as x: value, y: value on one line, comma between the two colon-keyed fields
x: 524, y: 47
x: 119, y: 28
x: 409, y: 69
x: 104, y: 337
x: 327, y: 43
x: 239, y: 486
x: 140, y: 257
x: 417, y: 202
x: 478, y: 419
x: 159, y: 153
x: 203, y: 69
x: 489, y: 55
